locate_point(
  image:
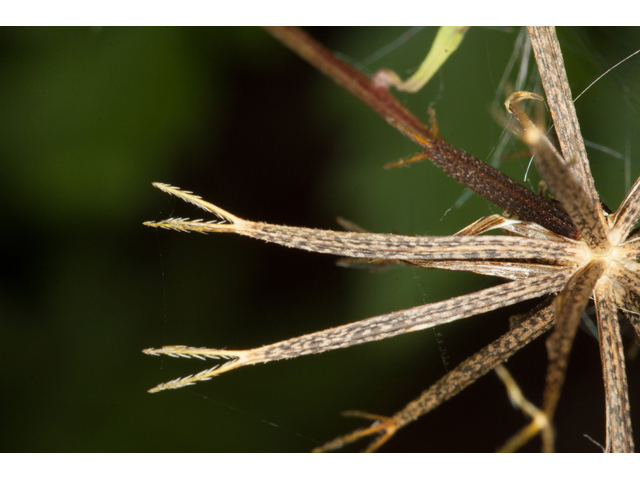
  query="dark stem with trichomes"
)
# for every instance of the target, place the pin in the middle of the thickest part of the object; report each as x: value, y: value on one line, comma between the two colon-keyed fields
x: 474, y: 174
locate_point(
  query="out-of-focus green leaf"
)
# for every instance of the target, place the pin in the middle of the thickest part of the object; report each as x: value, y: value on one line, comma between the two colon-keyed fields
x: 446, y: 42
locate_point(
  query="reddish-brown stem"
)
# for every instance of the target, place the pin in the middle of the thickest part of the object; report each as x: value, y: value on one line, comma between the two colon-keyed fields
x: 376, y: 97
x: 462, y: 167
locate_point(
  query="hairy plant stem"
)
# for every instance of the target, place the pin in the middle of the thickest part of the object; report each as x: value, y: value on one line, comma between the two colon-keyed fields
x: 466, y: 169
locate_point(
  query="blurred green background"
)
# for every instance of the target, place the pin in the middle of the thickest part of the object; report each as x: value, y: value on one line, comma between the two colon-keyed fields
x: 91, y: 116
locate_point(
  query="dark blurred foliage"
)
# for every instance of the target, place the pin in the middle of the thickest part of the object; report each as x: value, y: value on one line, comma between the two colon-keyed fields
x: 90, y: 117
